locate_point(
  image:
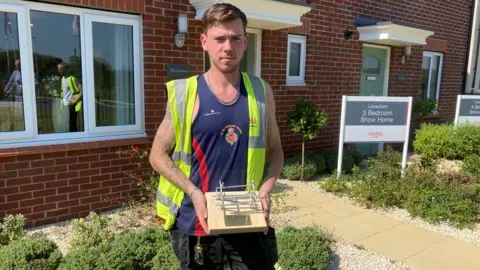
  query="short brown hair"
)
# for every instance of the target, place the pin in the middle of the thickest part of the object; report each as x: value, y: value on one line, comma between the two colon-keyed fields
x: 222, y: 12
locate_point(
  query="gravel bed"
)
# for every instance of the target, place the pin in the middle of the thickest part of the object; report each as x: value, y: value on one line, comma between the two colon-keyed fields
x: 120, y: 220
x: 469, y: 235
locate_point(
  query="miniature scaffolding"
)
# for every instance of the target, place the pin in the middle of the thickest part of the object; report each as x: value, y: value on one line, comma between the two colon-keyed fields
x: 233, y: 211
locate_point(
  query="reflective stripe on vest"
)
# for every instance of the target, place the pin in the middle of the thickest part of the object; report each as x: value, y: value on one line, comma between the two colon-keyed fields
x: 181, y: 99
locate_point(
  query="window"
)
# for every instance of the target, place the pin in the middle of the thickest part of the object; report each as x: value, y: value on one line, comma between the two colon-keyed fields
x: 296, y: 55
x: 71, y: 74
x: 431, y: 75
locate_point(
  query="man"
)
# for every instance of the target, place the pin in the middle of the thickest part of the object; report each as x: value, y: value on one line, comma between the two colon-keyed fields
x: 71, y: 94
x: 221, y: 127
x: 11, y: 115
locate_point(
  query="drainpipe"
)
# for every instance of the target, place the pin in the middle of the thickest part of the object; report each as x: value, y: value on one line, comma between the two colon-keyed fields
x: 472, y: 22
x: 476, y: 60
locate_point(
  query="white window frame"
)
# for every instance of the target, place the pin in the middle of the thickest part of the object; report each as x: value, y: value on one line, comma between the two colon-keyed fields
x: 24, y: 43
x: 30, y: 136
x: 297, y: 80
x: 439, y: 79
x: 89, y: 20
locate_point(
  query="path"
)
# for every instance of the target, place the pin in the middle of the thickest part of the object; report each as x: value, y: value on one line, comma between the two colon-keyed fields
x: 412, y: 245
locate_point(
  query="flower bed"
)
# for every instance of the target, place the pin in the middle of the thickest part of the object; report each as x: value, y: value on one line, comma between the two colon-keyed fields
x: 430, y: 190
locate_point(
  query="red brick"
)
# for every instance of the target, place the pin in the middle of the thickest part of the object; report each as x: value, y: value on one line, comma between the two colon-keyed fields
x: 32, y: 202
x: 56, y: 198
x: 44, y: 178
x: 43, y: 163
x: 18, y: 181
x: 44, y: 193
x: 44, y: 207
x: 32, y: 187
x: 30, y: 172
x: 8, y: 175
x: 19, y: 197
x: 69, y: 203
x: 58, y: 212
x: 29, y: 157
x: 17, y: 166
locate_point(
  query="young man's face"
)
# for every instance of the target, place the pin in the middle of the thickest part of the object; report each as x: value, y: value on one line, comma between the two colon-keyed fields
x: 225, y: 44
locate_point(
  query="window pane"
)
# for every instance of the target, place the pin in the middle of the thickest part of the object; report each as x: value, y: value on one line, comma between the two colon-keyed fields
x: 11, y: 94
x: 295, y: 52
x: 371, y: 65
x: 425, y: 74
x: 113, y: 74
x: 56, y: 39
x: 434, y: 79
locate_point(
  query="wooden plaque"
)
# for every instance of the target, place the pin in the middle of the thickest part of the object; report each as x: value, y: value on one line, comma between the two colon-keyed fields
x: 240, y: 212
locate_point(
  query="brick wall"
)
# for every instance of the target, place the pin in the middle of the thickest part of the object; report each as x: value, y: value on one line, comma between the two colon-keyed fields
x: 60, y: 182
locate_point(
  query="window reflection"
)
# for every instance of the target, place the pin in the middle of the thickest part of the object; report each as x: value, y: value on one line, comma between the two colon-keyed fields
x: 113, y: 74
x: 11, y: 94
x: 58, y: 67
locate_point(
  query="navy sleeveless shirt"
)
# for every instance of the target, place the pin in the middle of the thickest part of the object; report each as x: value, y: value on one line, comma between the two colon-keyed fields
x: 219, y: 149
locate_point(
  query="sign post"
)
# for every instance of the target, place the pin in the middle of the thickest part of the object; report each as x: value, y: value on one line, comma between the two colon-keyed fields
x: 375, y: 119
x: 468, y: 110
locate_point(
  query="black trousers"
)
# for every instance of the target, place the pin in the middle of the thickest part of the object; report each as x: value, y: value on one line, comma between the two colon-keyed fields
x: 73, y: 119
x: 241, y: 251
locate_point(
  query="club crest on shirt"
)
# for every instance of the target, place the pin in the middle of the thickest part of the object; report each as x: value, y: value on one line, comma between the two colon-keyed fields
x: 231, y: 133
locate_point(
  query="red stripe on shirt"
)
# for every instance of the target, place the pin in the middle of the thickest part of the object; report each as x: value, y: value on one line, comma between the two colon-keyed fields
x: 200, y: 156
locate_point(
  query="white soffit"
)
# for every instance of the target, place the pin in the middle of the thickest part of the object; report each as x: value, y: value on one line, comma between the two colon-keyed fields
x: 388, y: 33
x: 261, y: 14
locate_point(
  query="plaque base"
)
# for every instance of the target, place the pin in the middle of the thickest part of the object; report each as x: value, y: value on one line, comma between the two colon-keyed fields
x: 231, y: 212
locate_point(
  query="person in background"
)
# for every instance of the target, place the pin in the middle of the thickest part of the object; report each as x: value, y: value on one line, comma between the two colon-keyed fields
x: 71, y: 94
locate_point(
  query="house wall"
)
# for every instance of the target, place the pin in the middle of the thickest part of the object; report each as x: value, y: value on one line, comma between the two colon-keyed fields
x: 55, y: 183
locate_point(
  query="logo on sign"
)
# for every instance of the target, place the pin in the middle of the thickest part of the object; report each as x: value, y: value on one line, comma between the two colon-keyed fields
x: 375, y: 134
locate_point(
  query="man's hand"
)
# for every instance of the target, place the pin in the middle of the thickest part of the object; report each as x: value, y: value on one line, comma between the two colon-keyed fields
x: 200, y: 204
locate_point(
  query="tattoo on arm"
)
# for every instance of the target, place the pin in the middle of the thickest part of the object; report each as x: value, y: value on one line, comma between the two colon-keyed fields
x: 160, y: 155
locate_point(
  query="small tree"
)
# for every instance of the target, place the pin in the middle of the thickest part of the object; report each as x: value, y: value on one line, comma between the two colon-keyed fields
x: 305, y: 119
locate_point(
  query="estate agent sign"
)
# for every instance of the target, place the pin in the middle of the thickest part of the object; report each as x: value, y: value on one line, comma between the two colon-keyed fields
x: 375, y: 119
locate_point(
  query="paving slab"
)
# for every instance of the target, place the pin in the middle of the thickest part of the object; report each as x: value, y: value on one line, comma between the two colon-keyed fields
x: 402, y: 241
x: 361, y: 226
x: 413, y: 245
x: 447, y: 254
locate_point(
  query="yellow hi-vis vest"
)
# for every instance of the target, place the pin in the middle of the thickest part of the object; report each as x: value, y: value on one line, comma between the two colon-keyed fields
x: 181, y: 98
x: 72, y: 85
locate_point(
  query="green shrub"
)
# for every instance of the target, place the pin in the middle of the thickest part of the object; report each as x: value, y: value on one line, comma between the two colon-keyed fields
x: 386, y: 165
x: 30, y: 253
x: 378, y: 192
x: 292, y: 168
x: 467, y: 140
x: 136, y: 250
x: 165, y: 259
x: 444, y: 141
x: 435, y: 141
x: 357, y: 156
x: 435, y: 198
x: 91, y: 232
x: 85, y: 258
x: 318, y: 159
x: 304, y: 248
x: 471, y: 164
x: 12, y: 229
x: 336, y: 185
x: 331, y: 161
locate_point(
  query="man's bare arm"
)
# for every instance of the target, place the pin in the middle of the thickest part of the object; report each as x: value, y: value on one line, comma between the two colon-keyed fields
x: 160, y: 155
x: 274, y: 145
